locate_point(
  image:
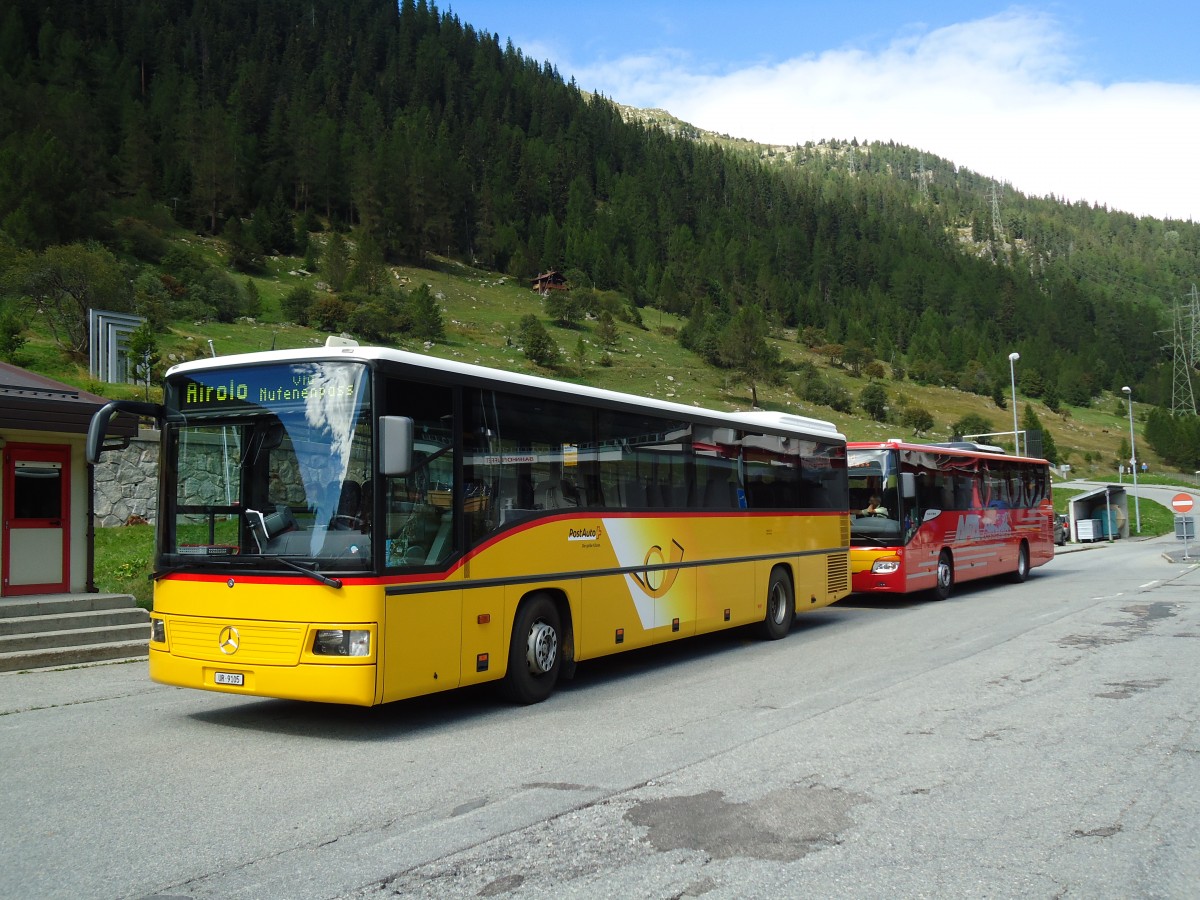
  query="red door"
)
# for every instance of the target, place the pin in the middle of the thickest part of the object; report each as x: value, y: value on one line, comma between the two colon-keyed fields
x: 37, y: 538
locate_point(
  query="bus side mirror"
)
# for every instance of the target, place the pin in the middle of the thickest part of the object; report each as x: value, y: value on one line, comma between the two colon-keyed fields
x: 96, y: 443
x: 908, y: 485
x: 395, y: 445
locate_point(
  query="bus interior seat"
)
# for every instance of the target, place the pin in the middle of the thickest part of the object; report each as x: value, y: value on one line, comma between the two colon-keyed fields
x: 635, y: 494
x: 654, y: 494
x: 590, y: 492
x: 716, y: 494
x: 569, y: 493
x: 758, y: 493
x: 546, y: 496
x: 349, y: 506
x: 438, y: 550
x: 675, y: 495
x: 366, y: 504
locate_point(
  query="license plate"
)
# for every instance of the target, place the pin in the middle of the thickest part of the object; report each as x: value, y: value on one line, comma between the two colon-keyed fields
x: 235, y: 678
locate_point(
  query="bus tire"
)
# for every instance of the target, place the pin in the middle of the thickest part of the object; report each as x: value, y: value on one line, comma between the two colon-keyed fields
x: 945, y: 576
x: 1022, y: 571
x: 535, y: 653
x: 781, y: 607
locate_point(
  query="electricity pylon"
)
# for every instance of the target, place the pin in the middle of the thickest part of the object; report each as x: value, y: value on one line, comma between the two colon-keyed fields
x: 1184, y: 356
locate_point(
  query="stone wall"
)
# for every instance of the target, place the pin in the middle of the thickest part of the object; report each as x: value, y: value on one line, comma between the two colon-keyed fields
x: 127, y: 482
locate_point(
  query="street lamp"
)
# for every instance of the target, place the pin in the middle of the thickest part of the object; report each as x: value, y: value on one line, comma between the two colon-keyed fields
x: 1012, y: 371
x: 1137, y: 508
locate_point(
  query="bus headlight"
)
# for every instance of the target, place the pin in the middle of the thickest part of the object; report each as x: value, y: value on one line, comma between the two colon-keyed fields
x: 885, y: 566
x: 342, y: 642
x: 158, y: 631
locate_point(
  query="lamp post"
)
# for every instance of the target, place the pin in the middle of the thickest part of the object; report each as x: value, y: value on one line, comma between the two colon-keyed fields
x: 1137, y: 507
x: 1012, y: 372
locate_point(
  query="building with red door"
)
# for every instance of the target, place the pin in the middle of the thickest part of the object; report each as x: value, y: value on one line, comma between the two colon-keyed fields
x: 46, y: 490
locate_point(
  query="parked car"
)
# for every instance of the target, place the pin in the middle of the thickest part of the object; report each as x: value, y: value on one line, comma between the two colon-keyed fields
x: 1062, y: 529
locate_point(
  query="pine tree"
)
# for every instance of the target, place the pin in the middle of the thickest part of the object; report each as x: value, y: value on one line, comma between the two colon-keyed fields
x: 1030, y: 423
x: 426, y: 315
x: 335, y: 262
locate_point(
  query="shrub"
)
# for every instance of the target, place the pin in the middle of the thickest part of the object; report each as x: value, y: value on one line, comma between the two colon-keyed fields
x: 536, y: 342
x: 328, y: 313
x: 372, y: 322
x: 873, y: 400
x: 297, y: 304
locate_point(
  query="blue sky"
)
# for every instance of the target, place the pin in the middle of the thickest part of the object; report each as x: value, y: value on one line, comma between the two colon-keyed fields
x: 1085, y: 99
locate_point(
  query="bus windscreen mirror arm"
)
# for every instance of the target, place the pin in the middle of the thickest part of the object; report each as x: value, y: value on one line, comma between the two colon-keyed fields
x: 395, y: 445
x: 99, y: 425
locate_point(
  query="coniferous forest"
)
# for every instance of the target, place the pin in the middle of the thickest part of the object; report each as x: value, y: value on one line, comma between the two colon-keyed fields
x: 263, y: 121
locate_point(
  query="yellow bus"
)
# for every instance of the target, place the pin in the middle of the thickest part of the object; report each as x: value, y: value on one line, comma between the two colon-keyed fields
x: 360, y: 525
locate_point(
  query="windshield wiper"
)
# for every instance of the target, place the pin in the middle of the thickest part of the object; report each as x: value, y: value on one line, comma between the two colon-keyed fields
x: 310, y: 572
x: 247, y: 562
x: 879, y: 542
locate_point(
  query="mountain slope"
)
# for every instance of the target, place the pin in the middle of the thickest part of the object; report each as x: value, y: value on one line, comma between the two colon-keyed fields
x: 423, y: 136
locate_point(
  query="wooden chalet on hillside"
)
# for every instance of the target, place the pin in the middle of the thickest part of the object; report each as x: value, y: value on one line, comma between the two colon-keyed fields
x: 550, y: 281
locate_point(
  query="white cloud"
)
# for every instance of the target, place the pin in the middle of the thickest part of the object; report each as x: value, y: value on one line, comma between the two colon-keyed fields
x: 996, y: 95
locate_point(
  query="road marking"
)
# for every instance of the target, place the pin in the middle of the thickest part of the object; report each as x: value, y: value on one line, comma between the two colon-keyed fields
x: 1148, y: 584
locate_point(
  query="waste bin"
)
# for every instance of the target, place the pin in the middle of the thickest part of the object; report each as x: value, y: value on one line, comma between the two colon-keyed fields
x: 1107, y: 524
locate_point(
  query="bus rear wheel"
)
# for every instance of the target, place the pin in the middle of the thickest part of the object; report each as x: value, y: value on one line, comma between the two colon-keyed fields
x: 1022, y: 571
x: 945, y: 576
x: 535, y: 654
x: 781, y: 607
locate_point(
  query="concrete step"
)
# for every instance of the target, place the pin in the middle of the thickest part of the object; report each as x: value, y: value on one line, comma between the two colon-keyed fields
x: 71, y: 656
x: 70, y: 629
x: 74, y: 637
x: 72, y: 620
x: 53, y: 604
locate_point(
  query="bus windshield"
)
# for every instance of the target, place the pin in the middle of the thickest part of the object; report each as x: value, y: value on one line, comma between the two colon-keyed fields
x: 269, y: 467
x: 875, y: 503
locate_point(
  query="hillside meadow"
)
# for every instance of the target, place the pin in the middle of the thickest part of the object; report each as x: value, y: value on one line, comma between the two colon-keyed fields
x: 480, y: 309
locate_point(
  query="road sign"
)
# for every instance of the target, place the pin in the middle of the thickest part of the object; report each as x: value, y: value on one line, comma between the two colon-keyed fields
x: 1181, y: 503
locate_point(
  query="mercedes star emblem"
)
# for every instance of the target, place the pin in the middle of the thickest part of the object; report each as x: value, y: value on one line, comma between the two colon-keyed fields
x: 228, y: 640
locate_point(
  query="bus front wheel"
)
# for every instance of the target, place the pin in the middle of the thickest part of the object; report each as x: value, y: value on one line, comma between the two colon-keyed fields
x: 781, y: 607
x: 945, y: 576
x: 535, y: 654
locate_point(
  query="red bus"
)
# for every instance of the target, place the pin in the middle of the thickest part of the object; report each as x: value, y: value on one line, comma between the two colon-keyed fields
x: 924, y: 516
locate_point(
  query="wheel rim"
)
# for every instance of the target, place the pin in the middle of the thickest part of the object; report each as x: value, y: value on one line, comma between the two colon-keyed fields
x: 541, y: 648
x: 778, y: 604
x: 1023, y: 563
x: 944, y: 571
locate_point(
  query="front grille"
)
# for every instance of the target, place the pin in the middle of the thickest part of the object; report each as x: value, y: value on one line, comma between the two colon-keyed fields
x: 263, y: 643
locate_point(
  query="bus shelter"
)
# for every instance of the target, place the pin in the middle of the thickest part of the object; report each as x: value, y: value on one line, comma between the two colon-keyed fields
x: 1101, y: 514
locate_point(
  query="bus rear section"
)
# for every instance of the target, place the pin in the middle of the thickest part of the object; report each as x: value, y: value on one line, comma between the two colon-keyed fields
x: 925, y: 517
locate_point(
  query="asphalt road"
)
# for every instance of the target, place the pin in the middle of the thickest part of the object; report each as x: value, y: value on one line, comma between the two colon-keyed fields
x: 1035, y: 740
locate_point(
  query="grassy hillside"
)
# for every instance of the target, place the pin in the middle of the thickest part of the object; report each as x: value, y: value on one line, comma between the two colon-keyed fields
x: 481, y: 309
